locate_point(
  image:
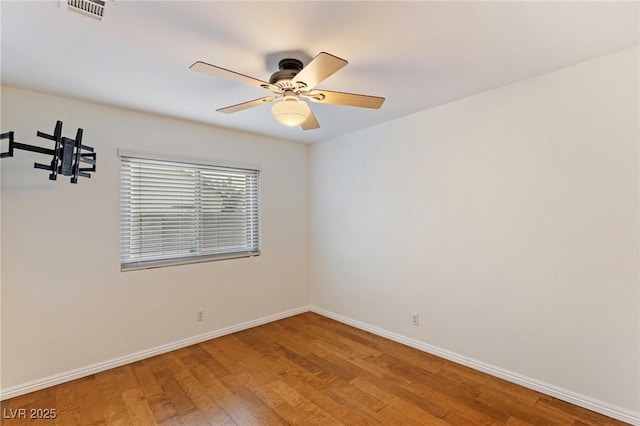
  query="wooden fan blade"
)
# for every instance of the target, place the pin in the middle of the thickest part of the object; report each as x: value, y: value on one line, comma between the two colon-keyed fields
x: 348, y: 99
x: 215, y: 71
x: 310, y: 123
x: 320, y: 68
x: 246, y: 105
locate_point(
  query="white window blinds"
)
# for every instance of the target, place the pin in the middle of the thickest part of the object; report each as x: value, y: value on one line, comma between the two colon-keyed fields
x: 174, y: 212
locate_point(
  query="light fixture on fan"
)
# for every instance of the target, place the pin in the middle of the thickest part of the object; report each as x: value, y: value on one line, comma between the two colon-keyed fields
x: 291, y: 111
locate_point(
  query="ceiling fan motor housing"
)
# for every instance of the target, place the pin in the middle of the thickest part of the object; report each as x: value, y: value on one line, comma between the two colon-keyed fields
x: 289, y: 68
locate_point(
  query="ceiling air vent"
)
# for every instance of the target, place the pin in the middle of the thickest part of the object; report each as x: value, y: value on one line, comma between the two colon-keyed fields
x: 91, y: 8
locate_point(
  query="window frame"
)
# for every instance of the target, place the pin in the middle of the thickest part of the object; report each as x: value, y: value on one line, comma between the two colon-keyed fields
x: 193, y: 162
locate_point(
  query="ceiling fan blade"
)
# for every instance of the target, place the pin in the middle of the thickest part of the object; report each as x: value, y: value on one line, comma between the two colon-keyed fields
x: 320, y: 68
x: 310, y: 123
x: 246, y: 105
x: 215, y: 71
x: 348, y: 99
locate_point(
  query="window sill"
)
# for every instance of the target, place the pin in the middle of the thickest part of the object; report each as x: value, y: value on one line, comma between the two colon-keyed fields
x: 152, y: 264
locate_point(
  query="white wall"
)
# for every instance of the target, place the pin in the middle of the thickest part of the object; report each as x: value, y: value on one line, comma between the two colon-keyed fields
x: 508, y: 221
x: 65, y: 303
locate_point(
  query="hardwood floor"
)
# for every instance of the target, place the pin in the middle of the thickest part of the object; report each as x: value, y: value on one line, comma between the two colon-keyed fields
x: 306, y: 369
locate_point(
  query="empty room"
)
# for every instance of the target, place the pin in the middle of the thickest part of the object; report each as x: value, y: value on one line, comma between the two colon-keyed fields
x: 320, y: 213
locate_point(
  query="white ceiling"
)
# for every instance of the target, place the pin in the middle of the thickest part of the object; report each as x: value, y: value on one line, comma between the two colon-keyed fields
x: 416, y: 54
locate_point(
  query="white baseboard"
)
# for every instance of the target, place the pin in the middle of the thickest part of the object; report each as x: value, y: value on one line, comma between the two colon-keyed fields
x: 551, y: 390
x: 56, y: 379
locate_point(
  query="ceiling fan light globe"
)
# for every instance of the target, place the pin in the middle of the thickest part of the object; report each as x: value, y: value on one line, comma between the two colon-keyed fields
x: 291, y: 112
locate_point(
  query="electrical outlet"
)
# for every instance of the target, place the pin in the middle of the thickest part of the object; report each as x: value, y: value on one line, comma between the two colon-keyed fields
x: 415, y: 319
x: 200, y: 315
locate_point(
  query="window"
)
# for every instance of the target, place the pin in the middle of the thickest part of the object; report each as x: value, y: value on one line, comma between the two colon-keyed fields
x: 176, y: 212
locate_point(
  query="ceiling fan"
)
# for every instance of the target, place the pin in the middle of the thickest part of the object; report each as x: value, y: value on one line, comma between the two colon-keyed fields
x: 291, y: 85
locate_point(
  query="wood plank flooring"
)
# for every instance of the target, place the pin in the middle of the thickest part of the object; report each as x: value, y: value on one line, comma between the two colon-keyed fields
x: 307, y: 370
